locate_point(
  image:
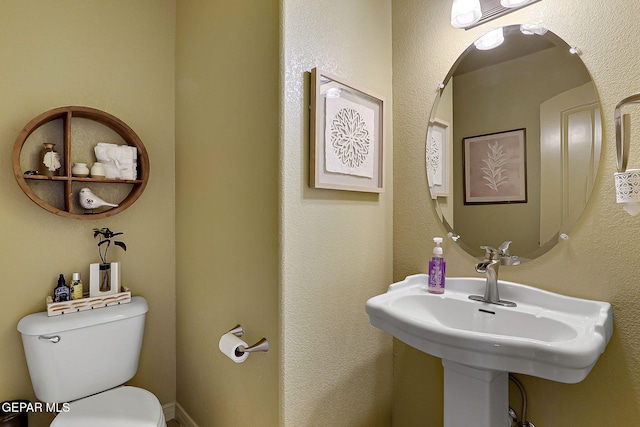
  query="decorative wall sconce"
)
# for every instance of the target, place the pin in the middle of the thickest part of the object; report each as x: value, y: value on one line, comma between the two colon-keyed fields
x: 471, y: 13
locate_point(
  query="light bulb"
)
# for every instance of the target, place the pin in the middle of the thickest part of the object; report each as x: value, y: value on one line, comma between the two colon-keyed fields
x: 465, y: 13
x: 514, y: 3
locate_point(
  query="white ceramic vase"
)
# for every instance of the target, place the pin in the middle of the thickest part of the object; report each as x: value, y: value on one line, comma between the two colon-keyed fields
x: 80, y: 170
x: 98, y: 170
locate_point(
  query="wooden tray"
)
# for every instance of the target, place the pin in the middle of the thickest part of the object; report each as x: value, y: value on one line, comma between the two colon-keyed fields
x: 77, y: 305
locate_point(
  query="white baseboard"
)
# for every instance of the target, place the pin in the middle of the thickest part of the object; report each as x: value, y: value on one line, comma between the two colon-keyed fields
x: 173, y: 411
x: 169, y: 411
x: 183, y: 418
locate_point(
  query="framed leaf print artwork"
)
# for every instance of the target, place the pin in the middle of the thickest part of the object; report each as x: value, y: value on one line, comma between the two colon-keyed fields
x: 346, y: 136
x: 495, y: 168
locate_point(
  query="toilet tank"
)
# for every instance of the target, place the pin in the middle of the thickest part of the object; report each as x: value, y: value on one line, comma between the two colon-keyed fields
x: 95, y: 350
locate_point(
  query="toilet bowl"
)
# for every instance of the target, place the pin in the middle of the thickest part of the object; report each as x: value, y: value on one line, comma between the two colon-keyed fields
x: 85, y: 358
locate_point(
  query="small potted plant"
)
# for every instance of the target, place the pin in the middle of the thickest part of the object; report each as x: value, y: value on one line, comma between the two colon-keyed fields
x: 105, y: 276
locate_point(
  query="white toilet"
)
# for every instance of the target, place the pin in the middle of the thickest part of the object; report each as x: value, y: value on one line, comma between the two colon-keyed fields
x: 84, y: 358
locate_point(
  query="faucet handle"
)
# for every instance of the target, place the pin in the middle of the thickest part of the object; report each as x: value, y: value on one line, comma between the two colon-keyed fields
x: 491, y: 254
x: 504, y: 248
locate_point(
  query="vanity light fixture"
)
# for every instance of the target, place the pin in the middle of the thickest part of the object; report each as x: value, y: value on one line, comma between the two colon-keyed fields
x: 514, y: 3
x: 465, y: 13
x: 491, y: 40
x: 471, y: 13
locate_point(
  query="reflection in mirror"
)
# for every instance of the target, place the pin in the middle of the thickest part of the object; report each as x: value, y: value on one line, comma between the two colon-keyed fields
x: 532, y: 81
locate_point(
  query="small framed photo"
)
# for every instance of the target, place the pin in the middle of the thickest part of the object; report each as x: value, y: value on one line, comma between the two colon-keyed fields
x: 438, y: 158
x: 495, y: 168
x: 346, y: 135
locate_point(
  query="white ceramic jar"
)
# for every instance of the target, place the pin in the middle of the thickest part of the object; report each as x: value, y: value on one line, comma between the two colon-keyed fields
x: 98, y: 170
x: 80, y: 170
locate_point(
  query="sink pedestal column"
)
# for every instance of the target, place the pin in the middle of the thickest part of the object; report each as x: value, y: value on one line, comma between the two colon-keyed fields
x: 475, y: 397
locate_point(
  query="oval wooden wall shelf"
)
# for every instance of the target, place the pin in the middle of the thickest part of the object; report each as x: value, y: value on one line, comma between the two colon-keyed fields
x: 65, y: 187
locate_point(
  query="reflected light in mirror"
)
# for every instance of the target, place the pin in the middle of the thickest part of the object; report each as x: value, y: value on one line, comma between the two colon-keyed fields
x: 491, y: 40
x: 465, y: 13
x: 531, y: 29
x: 333, y: 92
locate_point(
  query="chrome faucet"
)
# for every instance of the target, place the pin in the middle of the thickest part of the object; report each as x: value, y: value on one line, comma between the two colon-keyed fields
x: 505, y: 257
x: 490, y: 266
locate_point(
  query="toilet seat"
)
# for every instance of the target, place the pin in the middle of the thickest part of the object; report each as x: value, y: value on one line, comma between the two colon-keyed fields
x: 121, y: 406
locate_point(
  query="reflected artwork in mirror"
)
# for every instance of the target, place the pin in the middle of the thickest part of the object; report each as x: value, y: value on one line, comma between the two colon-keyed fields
x: 535, y: 82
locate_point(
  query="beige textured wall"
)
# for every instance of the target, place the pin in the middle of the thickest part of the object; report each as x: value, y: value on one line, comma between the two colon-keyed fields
x: 336, y: 245
x: 116, y: 56
x: 600, y: 259
x: 227, y: 208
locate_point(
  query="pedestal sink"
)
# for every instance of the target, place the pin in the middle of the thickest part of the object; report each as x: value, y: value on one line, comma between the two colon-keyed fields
x: 546, y: 335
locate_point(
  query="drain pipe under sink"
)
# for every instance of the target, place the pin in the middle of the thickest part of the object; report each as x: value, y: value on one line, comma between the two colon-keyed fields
x: 512, y: 413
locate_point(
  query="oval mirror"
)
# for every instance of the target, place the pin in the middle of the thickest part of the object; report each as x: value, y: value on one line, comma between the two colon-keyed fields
x: 514, y: 143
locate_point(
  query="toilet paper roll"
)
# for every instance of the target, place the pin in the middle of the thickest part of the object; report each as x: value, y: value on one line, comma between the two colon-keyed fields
x: 628, y: 190
x: 228, y: 345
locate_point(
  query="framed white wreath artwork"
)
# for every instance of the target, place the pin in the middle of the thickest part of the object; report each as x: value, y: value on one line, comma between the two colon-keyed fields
x: 437, y: 158
x: 495, y: 168
x: 346, y: 135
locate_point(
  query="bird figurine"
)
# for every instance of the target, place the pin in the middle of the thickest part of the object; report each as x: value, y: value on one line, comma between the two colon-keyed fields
x: 90, y: 201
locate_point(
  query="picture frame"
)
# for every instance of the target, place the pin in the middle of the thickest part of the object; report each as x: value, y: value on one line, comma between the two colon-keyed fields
x: 438, y: 158
x: 346, y: 136
x: 495, y: 168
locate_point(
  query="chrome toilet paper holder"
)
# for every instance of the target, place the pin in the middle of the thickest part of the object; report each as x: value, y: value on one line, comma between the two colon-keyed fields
x: 262, y: 345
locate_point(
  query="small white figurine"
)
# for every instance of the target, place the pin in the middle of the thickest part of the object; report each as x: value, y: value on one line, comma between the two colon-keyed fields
x: 88, y: 200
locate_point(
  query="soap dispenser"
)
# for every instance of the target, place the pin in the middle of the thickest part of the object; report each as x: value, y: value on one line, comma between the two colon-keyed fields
x: 437, y: 267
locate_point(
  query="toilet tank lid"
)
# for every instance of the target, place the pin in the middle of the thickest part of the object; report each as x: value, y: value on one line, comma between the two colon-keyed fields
x: 42, y: 324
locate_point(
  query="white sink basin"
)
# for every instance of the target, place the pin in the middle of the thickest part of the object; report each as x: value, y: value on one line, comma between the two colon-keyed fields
x: 547, y: 335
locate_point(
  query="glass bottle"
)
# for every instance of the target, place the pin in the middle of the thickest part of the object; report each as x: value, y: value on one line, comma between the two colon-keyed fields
x: 61, y: 292
x: 76, y: 286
